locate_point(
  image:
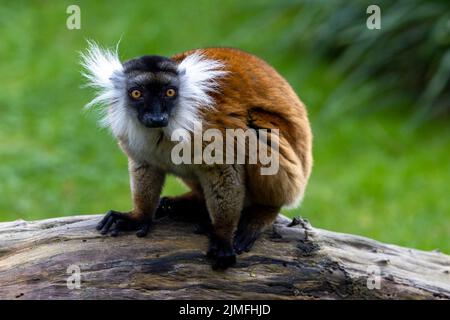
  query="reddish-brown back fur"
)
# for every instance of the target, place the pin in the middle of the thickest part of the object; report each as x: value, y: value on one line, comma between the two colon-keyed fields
x: 255, y: 95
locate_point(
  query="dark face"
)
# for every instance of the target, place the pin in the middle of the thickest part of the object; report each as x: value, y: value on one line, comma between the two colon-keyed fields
x: 152, y: 89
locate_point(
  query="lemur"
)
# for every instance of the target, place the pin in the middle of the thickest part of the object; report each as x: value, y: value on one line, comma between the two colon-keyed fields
x: 146, y: 99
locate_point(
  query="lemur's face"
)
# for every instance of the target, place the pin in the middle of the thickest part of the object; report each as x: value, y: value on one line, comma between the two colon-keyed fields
x: 152, y: 85
x: 158, y: 92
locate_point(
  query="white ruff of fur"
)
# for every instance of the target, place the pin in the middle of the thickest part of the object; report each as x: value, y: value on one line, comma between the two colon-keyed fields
x: 104, y: 72
x: 198, y: 78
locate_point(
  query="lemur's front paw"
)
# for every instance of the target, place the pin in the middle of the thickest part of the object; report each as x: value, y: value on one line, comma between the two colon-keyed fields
x: 222, y: 254
x: 118, y: 221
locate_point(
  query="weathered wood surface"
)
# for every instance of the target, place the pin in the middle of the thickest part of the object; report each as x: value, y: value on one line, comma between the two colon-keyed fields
x: 288, y: 262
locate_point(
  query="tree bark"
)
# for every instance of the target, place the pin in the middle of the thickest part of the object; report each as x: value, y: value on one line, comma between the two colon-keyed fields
x: 40, y: 260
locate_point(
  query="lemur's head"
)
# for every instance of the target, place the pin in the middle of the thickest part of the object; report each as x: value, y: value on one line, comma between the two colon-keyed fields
x: 150, y: 91
x: 152, y: 84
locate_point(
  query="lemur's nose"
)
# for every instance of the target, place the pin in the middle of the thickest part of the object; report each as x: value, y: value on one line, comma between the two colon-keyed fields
x: 159, y: 120
x: 156, y: 121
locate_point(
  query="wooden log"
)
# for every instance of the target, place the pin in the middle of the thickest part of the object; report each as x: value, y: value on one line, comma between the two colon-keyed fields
x: 40, y: 260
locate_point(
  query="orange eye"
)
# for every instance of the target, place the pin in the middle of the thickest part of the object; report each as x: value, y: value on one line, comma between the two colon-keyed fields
x: 170, y: 93
x: 136, y: 94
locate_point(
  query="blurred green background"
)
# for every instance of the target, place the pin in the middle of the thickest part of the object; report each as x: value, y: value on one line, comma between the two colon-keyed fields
x: 378, y: 102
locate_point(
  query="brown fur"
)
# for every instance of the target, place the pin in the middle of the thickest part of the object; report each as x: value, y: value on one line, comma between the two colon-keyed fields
x: 254, y: 95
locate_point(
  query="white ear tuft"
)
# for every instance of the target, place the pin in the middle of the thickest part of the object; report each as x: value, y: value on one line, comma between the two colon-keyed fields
x: 104, y: 72
x: 198, y: 78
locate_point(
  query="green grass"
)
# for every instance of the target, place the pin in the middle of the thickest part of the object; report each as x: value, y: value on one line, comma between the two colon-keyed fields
x: 371, y: 176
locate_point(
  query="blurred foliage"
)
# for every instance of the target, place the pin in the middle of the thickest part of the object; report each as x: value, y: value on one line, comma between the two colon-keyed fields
x: 409, y: 57
x: 371, y: 177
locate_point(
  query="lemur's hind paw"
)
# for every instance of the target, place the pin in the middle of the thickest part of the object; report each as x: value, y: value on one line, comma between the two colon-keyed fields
x: 117, y: 221
x: 245, y: 239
